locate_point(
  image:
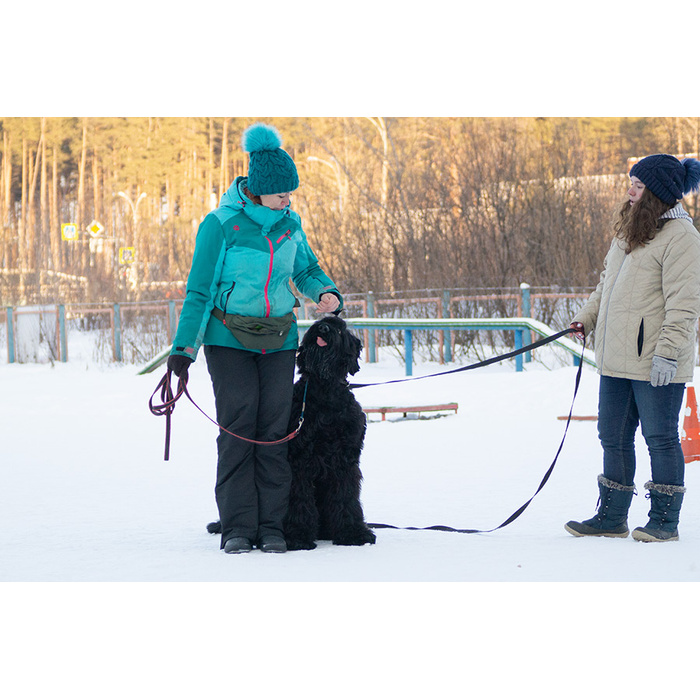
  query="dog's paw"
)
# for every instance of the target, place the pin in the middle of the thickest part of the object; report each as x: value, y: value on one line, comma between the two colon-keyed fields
x: 296, y: 545
x: 355, y: 538
x: 214, y: 528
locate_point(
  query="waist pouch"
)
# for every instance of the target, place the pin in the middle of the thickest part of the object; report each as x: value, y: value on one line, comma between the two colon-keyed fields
x: 257, y: 333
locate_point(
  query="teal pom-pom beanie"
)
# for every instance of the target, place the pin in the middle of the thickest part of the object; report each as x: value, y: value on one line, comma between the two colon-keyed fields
x: 271, y: 170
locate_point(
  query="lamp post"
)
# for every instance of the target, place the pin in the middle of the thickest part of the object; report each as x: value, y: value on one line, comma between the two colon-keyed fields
x: 335, y: 167
x: 380, y: 125
x: 134, y: 207
x: 134, y: 211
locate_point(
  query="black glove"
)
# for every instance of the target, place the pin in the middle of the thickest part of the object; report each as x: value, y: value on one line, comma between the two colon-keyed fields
x: 179, y: 364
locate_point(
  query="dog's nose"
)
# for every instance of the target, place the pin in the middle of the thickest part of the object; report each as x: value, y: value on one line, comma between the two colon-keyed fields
x: 324, y: 328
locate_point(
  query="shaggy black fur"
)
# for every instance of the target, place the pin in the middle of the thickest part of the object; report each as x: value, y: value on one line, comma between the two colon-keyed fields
x: 324, y: 501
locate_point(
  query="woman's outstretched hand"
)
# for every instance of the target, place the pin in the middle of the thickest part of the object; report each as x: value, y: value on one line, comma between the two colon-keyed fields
x: 578, y: 327
x: 328, y: 303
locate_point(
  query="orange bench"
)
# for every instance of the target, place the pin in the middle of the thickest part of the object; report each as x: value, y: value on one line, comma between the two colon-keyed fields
x: 412, y: 409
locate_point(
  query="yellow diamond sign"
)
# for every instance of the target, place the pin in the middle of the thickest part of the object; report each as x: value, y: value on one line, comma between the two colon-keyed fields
x: 95, y: 229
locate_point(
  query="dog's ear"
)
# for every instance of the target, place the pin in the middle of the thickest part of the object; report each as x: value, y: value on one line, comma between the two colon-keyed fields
x: 353, y: 350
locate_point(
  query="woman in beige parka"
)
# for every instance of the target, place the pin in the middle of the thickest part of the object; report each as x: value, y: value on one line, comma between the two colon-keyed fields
x: 644, y: 312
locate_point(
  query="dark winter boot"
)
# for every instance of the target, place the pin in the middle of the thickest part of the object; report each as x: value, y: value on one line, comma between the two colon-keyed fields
x: 237, y: 545
x: 666, y: 500
x: 611, y: 518
x: 272, y: 543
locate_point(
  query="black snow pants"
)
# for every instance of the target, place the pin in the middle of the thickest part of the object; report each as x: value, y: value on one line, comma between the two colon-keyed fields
x: 253, y: 394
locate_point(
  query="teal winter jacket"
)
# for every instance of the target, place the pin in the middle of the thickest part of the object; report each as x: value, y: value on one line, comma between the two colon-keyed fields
x: 244, y: 257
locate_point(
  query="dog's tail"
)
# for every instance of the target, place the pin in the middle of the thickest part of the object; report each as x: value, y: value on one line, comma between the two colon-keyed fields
x: 214, y: 528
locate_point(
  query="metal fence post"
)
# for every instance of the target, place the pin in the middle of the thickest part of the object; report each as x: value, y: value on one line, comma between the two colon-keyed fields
x: 527, y: 313
x: 519, y: 344
x: 10, y: 336
x: 172, y: 318
x: 372, y: 333
x: 117, y: 334
x: 63, y: 344
x: 448, y: 334
x: 408, y: 342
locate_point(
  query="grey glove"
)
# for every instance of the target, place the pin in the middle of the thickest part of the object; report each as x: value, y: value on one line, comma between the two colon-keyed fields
x: 663, y: 370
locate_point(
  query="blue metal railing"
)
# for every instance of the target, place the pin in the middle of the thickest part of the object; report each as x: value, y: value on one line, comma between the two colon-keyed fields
x: 519, y: 326
x: 522, y: 328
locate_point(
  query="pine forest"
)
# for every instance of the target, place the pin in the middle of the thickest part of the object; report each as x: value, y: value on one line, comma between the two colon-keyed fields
x: 106, y: 209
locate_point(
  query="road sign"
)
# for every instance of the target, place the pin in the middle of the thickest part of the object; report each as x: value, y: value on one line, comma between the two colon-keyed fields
x: 95, y: 229
x: 69, y: 232
x: 127, y: 255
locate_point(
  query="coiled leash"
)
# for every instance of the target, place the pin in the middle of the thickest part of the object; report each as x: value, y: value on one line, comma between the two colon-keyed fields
x: 169, y: 400
x: 167, y: 407
x: 519, y: 511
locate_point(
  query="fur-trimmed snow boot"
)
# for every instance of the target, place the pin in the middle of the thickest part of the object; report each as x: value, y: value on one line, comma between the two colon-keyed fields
x: 611, y: 518
x: 666, y: 501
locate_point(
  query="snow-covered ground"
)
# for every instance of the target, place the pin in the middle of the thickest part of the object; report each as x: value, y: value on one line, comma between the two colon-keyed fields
x: 87, y: 497
x: 83, y: 476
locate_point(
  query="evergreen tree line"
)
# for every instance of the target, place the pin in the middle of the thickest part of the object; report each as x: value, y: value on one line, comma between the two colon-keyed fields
x: 389, y: 204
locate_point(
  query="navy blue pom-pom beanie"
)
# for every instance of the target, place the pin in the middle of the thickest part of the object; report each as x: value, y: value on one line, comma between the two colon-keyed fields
x: 667, y: 177
x: 271, y: 170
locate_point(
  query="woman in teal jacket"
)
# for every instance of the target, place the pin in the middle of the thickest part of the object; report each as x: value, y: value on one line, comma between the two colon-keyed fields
x: 239, y: 305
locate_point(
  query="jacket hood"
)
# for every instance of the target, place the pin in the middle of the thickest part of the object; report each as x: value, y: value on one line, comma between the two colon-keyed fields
x: 234, y: 199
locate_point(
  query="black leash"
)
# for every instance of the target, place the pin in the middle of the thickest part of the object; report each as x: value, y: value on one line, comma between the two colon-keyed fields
x: 169, y: 400
x: 492, y: 360
x: 519, y: 512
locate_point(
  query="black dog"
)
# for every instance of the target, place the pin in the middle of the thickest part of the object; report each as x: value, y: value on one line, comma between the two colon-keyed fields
x: 324, y: 500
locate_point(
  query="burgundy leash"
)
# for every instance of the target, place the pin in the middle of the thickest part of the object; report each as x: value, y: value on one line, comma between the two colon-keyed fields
x: 167, y: 406
x: 169, y: 400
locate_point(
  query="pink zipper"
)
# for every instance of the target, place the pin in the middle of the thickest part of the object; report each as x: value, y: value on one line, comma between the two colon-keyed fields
x: 269, y: 277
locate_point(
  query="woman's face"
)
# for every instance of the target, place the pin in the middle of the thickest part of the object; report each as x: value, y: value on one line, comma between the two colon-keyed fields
x: 276, y: 201
x: 636, y: 189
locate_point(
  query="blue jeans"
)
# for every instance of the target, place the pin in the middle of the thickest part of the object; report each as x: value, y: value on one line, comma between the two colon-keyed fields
x: 625, y: 403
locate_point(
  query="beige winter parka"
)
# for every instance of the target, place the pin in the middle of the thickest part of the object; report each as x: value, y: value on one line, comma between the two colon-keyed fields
x: 647, y: 303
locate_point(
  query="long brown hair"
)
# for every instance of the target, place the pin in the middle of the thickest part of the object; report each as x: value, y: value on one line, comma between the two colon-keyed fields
x: 252, y: 197
x: 637, y: 224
